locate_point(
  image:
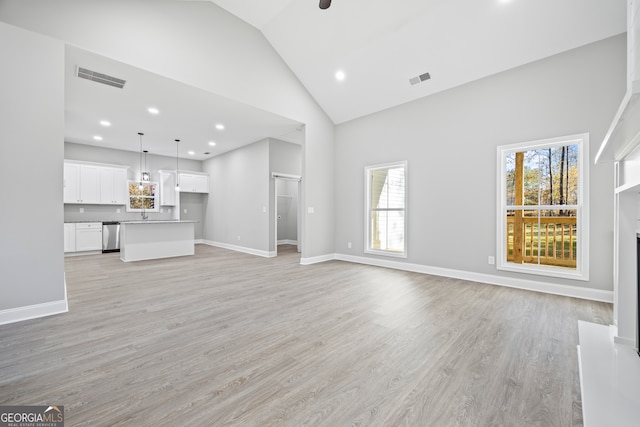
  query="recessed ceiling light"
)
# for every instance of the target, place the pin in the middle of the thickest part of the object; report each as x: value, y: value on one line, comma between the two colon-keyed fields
x: 220, y: 126
x: 211, y: 143
x: 191, y: 153
x: 105, y: 123
x: 97, y: 138
x: 340, y: 75
x: 153, y: 110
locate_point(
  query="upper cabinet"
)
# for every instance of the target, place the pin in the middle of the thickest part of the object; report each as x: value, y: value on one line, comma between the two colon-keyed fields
x: 194, y: 182
x: 623, y: 136
x: 167, y: 180
x: 86, y: 183
x: 81, y: 183
x: 113, y: 186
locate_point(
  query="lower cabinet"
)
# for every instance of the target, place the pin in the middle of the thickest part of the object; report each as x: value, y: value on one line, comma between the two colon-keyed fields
x: 69, y: 237
x: 88, y: 236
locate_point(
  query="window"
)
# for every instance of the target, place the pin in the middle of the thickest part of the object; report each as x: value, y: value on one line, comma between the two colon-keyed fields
x: 543, y: 214
x: 386, y: 209
x: 143, y: 196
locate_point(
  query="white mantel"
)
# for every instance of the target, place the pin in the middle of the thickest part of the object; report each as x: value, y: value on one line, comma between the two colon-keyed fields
x: 609, y: 363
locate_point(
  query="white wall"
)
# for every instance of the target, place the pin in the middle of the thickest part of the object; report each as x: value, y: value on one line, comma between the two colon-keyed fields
x: 450, y: 140
x: 200, y: 44
x: 31, y: 163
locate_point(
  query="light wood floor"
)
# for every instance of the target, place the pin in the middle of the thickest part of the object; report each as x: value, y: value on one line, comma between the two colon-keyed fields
x: 228, y: 339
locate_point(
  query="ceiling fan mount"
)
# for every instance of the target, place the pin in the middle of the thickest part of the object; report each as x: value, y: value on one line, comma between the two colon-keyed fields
x: 324, y: 4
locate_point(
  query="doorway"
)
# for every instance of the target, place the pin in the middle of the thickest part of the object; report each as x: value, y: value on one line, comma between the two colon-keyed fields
x: 287, y: 213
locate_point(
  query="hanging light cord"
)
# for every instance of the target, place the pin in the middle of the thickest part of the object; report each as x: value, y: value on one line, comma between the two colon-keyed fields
x: 177, y: 174
x: 141, y: 187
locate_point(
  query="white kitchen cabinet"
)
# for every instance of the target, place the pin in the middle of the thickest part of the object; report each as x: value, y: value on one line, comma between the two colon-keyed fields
x: 94, y: 183
x: 88, y: 236
x: 71, y: 183
x: 81, y: 183
x: 113, y: 186
x: 89, y: 184
x: 69, y: 237
x: 192, y: 182
x: 167, y: 180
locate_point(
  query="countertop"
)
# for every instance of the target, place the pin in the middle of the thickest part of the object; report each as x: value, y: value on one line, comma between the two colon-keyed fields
x: 159, y: 221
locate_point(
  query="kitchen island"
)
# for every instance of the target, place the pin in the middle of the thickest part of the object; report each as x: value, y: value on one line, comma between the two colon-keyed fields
x: 142, y: 240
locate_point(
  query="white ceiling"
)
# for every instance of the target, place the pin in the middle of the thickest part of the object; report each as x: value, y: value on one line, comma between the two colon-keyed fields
x: 381, y: 44
x: 186, y: 113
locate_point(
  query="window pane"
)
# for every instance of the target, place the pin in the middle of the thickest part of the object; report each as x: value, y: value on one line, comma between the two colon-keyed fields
x: 531, y: 177
x: 387, y: 188
x: 547, y: 237
x: 387, y: 230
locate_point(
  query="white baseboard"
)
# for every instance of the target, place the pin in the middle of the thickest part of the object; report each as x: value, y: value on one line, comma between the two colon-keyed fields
x: 317, y: 259
x: 198, y: 241
x: 287, y: 242
x: 243, y: 249
x: 19, y: 314
x: 35, y: 311
x: 530, y: 285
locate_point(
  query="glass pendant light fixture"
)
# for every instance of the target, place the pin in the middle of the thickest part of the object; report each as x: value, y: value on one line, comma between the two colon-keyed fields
x: 145, y: 175
x: 177, y: 173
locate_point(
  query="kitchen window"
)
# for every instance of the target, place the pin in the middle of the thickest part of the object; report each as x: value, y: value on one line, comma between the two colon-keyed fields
x: 543, y: 210
x: 386, y: 219
x: 143, y: 197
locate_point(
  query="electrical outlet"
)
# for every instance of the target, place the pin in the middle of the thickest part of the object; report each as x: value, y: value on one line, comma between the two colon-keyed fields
x: 310, y: 210
x: 238, y: 238
x: 264, y: 209
x: 117, y: 210
x: 349, y: 245
x: 81, y: 210
x: 185, y: 211
x: 491, y: 260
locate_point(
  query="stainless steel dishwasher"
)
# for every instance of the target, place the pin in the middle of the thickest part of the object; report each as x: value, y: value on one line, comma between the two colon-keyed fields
x: 110, y: 236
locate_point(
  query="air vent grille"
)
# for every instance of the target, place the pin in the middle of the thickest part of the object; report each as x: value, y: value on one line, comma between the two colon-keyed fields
x: 419, y: 79
x: 94, y: 76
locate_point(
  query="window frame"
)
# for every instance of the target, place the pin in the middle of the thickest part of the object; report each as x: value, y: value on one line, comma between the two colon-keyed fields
x: 581, y: 272
x: 154, y: 197
x: 368, y: 209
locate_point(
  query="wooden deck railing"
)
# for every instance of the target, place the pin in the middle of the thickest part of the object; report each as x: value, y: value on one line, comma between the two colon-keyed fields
x: 551, y: 240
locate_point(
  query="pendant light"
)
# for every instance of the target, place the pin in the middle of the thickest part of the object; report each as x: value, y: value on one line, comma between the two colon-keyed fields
x: 145, y: 174
x: 177, y: 173
x: 140, y: 186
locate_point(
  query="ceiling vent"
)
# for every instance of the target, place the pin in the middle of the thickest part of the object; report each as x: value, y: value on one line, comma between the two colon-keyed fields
x: 94, y: 76
x: 419, y: 79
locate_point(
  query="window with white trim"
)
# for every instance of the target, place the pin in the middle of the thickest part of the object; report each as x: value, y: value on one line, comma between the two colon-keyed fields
x: 386, y: 218
x: 143, y: 197
x: 543, y: 210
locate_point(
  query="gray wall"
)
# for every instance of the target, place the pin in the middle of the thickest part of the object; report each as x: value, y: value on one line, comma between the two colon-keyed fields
x: 31, y: 158
x: 194, y: 203
x: 450, y: 141
x: 202, y: 45
x: 238, y: 203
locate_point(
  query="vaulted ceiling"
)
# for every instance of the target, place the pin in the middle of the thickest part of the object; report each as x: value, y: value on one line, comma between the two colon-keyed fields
x: 381, y: 44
